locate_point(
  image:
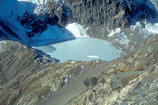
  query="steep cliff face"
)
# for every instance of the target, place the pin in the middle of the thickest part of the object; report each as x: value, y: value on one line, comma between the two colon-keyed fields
x: 103, y: 15
x: 126, y: 23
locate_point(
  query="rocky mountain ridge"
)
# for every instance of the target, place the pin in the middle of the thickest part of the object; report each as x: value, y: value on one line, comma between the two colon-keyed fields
x: 125, y: 23
x: 111, y: 14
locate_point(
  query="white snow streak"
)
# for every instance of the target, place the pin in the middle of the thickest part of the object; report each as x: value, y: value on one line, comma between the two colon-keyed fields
x: 77, y: 30
x: 115, y: 31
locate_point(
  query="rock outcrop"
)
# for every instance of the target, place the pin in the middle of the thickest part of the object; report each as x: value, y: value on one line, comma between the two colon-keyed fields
x: 103, y: 15
x: 26, y: 77
x: 131, y: 80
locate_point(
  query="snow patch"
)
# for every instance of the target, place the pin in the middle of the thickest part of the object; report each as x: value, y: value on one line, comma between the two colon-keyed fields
x: 93, y: 56
x: 122, y: 38
x: 38, y: 2
x: 155, y: 4
x: 153, y: 28
x: 42, y: 5
x: 146, y: 29
x: 53, y: 34
x: 113, y: 32
x: 2, y: 44
x: 77, y: 30
x: 10, y: 9
x: 134, y: 27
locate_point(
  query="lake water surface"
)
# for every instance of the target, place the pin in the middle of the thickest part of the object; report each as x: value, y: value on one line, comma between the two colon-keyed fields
x: 84, y: 49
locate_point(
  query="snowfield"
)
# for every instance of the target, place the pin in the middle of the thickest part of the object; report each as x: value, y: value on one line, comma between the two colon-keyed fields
x: 53, y: 34
x: 77, y: 30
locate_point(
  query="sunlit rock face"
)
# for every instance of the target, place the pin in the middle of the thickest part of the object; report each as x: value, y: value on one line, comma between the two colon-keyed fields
x: 126, y: 81
x: 29, y: 76
x: 20, y: 58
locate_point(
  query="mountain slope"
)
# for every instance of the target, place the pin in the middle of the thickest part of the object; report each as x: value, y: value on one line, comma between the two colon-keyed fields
x: 111, y: 14
x: 126, y: 23
x: 22, y: 22
x: 31, y: 78
x: 131, y: 80
x: 26, y: 77
x: 128, y: 80
x: 25, y: 82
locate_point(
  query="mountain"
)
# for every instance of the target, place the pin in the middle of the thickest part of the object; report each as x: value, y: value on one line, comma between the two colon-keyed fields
x: 125, y: 23
x: 132, y: 80
x: 29, y: 76
x: 26, y: 77
x: 36, y: 23
x: 112, y: 14
x: 42, y: 81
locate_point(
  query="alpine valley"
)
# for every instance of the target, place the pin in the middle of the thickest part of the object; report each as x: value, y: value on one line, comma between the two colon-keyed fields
x: 78, y: 52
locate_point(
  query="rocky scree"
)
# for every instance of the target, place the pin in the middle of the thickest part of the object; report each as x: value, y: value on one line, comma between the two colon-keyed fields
x: 27, y: 78
x: 130, y: 80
